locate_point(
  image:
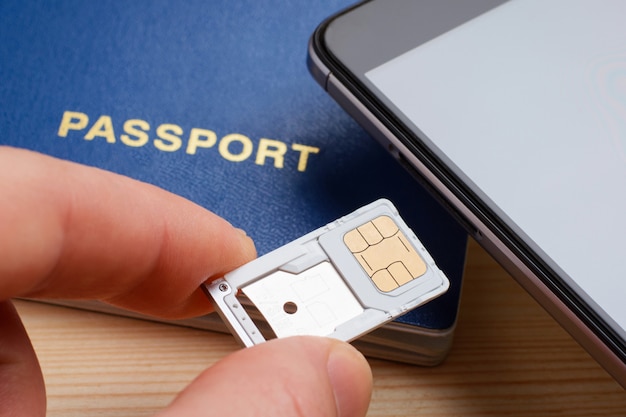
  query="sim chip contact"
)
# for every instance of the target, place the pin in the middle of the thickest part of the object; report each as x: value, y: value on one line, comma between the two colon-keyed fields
x: 342, y: 280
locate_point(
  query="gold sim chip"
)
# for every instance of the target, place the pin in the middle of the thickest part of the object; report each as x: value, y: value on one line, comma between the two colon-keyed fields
x: 385, y: 253
x: 342, y: 280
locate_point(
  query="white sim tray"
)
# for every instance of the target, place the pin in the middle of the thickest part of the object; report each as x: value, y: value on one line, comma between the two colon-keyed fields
x: 342, y: 280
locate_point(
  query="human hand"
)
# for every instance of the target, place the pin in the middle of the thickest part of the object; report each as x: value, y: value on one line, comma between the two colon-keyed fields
x: 70, y: 231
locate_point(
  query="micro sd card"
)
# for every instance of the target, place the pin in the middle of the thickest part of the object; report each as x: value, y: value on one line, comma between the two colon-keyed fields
x: 342, y: 280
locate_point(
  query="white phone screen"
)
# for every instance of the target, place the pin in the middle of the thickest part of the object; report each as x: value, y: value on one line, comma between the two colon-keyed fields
x: 528, y: 102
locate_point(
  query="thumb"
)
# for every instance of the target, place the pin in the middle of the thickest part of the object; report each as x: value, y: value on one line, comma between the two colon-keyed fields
x: 22, y: 391
x: 297, y: 376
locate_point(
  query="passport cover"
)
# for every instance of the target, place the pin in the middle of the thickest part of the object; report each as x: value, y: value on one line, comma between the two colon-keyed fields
x: 213, y: 101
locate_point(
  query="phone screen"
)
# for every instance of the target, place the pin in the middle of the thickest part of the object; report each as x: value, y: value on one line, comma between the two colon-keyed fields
x: 530, y: 111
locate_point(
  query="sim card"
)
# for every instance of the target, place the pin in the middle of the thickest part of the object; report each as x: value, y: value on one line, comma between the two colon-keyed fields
x: 342, y: 280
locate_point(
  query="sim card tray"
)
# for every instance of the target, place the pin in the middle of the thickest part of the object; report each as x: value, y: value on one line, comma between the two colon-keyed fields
x: 342, y: 280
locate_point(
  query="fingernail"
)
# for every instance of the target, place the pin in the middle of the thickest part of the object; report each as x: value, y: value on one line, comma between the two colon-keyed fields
x: 351, y: 379
x: 247, y: 242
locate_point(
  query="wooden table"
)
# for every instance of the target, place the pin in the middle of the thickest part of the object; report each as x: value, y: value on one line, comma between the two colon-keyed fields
x: 509, y: 358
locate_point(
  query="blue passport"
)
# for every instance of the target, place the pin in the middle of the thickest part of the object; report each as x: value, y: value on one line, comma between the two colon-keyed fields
x: 213, y: 101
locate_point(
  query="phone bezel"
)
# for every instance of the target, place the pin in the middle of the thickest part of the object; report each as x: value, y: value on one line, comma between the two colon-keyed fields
x: 483, y: 223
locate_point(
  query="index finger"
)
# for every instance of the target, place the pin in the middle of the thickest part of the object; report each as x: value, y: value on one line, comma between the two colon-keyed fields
x: 71, y: 231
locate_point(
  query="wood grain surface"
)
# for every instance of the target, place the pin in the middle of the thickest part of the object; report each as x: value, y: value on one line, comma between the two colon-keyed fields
x: 509, y: 359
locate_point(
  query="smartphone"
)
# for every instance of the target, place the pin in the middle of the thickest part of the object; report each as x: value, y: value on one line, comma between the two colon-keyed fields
x: 513, y: 113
